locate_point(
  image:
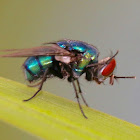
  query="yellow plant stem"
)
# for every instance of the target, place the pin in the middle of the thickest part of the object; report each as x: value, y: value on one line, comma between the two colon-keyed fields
x: 51, y: 117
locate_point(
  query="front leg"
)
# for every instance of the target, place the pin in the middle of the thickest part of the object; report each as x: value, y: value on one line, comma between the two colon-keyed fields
x: 112, y: 77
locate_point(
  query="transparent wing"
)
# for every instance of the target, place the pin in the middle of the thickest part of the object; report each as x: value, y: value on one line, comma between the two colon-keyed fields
x: 48, y: 50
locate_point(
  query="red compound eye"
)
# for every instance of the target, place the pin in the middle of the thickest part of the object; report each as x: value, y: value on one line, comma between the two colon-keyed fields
x: 109, y: 68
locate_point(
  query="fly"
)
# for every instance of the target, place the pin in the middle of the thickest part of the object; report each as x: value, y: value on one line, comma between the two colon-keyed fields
x: 66, y: 59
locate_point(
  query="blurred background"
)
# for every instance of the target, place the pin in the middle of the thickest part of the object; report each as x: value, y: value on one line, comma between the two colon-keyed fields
x: 109, y: 25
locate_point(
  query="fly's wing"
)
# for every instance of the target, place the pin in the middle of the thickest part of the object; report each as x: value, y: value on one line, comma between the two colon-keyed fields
x: 38, y: 51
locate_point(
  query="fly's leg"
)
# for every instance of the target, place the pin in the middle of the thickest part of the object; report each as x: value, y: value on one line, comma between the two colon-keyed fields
x: 77, y: 97
x: 112, y: 77
x: 35, y: 85
x: 40, y: 87
x: 123, y: 77
x: 81, y: 93
x: 71, y: 79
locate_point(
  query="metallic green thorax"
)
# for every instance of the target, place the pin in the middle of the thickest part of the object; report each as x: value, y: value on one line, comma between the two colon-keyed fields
x: 89, y: 52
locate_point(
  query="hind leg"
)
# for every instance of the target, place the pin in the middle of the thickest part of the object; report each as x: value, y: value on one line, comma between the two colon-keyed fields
x: 40, y: 85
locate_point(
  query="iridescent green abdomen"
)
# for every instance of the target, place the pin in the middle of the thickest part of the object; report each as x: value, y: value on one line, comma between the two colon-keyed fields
x: 36, y: 66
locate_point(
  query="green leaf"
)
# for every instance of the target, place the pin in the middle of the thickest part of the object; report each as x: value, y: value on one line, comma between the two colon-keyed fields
x: 50, y: 117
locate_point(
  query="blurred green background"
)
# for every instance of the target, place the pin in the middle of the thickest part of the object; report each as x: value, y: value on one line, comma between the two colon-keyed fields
x: 109, y: 25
